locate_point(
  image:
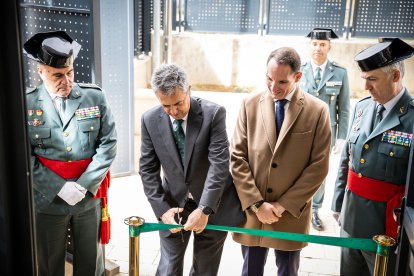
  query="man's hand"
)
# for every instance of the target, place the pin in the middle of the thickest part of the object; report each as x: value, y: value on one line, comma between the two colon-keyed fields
x: 196, y: 221
x: 267, y: 213
x: 336, y: 217
x: 168, y: 218
x: 339, y: 145
x: 72, y: 193
x: 279, y: 209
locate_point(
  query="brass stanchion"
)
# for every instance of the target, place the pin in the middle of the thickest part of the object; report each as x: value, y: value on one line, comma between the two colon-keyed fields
x: 384, y: 243
x: 134, y: 224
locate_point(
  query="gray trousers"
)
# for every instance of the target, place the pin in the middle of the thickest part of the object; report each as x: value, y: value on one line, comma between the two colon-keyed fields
x: 208, y: 247
x: 51, y: 234
x: 318, y: 197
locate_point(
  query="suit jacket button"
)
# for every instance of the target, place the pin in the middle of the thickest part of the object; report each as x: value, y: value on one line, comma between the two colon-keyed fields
x: 274, y: 165
x: 269, y: 190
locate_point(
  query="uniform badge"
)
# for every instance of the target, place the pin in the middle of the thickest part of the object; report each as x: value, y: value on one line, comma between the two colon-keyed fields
x: 359, y: 113
x: 36, y: 122
x: 397, y: 138
x: 39, y: 112
x: 402, y: 109
x: 30, y: 112
x: 87, y: 113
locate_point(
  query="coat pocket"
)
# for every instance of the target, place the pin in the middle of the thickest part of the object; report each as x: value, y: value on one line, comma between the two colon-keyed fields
x: 89, y: 132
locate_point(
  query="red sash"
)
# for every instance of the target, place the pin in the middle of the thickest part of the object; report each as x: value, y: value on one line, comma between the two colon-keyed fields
x: 74, y: 169
x: 381, y: 191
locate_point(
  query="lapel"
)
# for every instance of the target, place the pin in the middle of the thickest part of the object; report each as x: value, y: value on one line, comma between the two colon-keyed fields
x: 393, y: 117
x: 369, y: 116
x: 72, y: 104
x: 295, y: 107
x: 194, y: 122
x: 166, y: 135
x: 308, y: 72
x: 327, y: 74
x: 45, y: 101
x: 267, y: 111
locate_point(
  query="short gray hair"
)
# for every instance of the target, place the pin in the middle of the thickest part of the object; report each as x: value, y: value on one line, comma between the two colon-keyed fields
x: 395, y: 66
x: 166, y: 78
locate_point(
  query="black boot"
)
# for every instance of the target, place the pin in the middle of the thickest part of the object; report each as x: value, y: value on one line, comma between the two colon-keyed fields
x: 316, y: 221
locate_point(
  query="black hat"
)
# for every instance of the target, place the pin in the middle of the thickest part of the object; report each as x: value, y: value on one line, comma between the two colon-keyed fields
x: 322, y: 34
x: 56, y: 49
x: 388, y: 51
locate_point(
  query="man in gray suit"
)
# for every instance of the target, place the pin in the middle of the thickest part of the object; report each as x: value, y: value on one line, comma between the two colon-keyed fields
x: 73, y: 143
x: 374, y: 161
x: 328, y: 81
x: 186, y: 137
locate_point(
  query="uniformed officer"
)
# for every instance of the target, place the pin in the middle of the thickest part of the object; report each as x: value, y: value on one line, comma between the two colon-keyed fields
x: 73, y: 143
x: 328, y: 81
x: 374, y: 162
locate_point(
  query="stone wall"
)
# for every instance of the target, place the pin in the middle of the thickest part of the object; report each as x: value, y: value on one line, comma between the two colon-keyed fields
x: 239, y: 60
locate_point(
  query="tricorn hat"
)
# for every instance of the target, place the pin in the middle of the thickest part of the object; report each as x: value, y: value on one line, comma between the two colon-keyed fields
x: 56, y: 49
x: 322, y: 34
x: 388, y: 51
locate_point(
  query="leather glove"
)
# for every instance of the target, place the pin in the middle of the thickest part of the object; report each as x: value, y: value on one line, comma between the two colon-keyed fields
x: 339, y: 145
x: 72, y: 192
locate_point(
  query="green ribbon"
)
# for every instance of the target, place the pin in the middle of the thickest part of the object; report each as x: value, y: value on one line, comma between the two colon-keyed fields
x: 355, y: 243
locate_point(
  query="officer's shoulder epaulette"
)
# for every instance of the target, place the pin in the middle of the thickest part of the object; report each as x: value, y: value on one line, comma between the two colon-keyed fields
x: 334, y: 63
x: 89, y: 85
x: 30, y: 89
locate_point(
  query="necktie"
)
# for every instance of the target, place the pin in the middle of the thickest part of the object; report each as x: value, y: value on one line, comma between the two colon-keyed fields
x: 179, y: 137
x: 280, y: 114
x: 318, y: 76
x: 62, y: 107
x: 378, y: 116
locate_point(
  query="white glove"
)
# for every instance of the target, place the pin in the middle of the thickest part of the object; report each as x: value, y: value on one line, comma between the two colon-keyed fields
x: 72, y: 192
x: 337, y: 149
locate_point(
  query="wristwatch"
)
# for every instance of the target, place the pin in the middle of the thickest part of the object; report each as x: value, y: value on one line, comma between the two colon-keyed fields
x: 205, y: 209
x: 255, y: 207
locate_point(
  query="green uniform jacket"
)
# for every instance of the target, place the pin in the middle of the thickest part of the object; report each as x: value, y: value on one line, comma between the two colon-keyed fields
x: 333, y: 89
x: 79, y: 137
x: 366, y: 154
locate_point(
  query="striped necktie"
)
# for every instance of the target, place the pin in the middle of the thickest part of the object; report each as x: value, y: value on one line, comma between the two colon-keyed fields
x: 179, y: 137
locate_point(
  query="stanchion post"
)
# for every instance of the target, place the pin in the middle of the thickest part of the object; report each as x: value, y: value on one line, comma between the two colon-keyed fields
x: 384, y: 243
x: 134, y: 224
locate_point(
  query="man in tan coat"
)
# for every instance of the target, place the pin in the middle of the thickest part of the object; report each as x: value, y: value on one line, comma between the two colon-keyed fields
x: 279, y: 157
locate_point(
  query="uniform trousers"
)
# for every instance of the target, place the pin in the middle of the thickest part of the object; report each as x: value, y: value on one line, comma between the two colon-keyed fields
x: 51, y: 233
x: 287, y: 262
x: 207, y: 250
x: 318, y: 197
x: 359, y: 262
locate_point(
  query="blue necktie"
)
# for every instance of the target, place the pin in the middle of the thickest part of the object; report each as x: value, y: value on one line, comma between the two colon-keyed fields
x: 280, y: 114
x: 179, y: 137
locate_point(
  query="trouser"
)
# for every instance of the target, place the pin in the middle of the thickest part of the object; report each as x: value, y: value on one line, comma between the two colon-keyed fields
x: 208, y: 247
x: 287, y: 262
x: 361, y: 263
x: 318, y: 197
x: 51, y: 233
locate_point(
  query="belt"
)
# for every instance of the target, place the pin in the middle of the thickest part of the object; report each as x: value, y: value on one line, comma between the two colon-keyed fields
x: 381, y: 191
